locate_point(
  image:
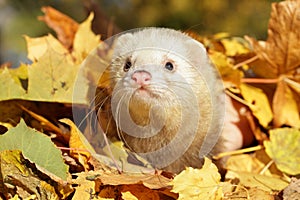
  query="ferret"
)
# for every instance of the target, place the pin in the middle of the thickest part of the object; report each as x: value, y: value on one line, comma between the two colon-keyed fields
x: 167, y: 98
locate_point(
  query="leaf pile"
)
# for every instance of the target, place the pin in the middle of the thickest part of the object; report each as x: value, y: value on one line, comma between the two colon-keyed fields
x: 44, y: 155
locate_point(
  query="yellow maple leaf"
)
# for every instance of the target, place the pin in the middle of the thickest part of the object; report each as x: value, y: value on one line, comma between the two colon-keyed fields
x: 197, y: 184
x: 258, y: 103
x: 85, y: 40
x: 37, y: 47
x: 234, y: 46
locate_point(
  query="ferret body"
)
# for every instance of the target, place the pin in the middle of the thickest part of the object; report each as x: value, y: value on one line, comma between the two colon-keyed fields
x: 167, y: 100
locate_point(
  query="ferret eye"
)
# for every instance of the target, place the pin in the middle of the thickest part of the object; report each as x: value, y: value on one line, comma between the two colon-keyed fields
x: 169, y: 66
x: 127, y: 66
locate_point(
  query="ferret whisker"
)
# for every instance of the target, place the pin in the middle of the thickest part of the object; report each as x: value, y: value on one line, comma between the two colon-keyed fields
x: 91, y: 110
x: 118, y: 121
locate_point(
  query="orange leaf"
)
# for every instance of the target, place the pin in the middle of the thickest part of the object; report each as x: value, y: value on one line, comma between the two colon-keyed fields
x: 285, y: 106
x: 64, y: 26
x: 281, y: 50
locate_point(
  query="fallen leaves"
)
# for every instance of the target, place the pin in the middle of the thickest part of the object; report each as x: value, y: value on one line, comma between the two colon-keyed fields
x: 21, y: 179
x: 284, y: 140
x: 64, y: 26
x: 258, y: 102
x: 262, y: 75
x: 36, y: 147
x: 280, y: 55
x: 201, y: 183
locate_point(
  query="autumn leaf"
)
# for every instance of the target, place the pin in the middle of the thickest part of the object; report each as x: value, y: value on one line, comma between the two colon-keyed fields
x: 266, y: 183
x: 37, y: 47
x: 15, y: 173
x: 283, y: 148
x: 10, y: 89
x: 198, y: 183
x: 80, y: 147
x: 230, y: 76
x: 286, y: 106
x: 258, y: 103
x: 281, y: 50
x: 64, y: 26
x: 52, y: 78
x: 235, y: 46
x: 109, y: 185
x: 36, y: 147
x: 293, y: 190
x: 280, y: 53
x: 85, y: 188
x: 83, y: 46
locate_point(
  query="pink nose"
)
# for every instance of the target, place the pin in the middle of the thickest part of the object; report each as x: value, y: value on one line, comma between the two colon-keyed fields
x: 141, y: 77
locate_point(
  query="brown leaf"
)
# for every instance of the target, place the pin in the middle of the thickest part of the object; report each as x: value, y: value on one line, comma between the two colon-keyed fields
x: 82, y: 149
x: 293, y: 190
x: 16, y: 176
x: 285, y: 106
x: 151, y: 181
x: 64, y: 26
x: 281, y: 50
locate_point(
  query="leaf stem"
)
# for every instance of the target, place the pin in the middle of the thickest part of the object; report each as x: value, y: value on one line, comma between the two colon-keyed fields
x: 260, y: 80
x: 242, y: 101
x: 236, y: 152
x: 266, y: 167
x: 250, y: 60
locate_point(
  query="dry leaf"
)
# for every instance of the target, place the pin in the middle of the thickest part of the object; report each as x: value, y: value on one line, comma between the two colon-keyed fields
x: 262, y: 182
x: 85, y: 188
x: 280, y: 53
x: 281, y: 50
x: 230, y: 76
x: 201, y: 183
x: 235, y: 46
x: 17, y: 176
x: 85, y: 40
x: 293, y: 190
x: 245, y: 163
x: 283, y: 148
x: 258, y: 103
x: 128, y: 196
x: 286, y: 106
x: 64, y: 26
x: 152, y: 181
x: 37, y: 47
x: 81, y: 148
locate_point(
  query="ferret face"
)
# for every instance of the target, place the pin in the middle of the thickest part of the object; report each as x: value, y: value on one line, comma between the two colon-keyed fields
x: 157, y: 65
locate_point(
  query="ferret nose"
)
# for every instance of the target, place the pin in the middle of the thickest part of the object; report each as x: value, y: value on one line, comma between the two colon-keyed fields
x: 141, y: 77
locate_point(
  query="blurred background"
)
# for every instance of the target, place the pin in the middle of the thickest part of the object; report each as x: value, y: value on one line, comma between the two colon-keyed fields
x: 207, y: 17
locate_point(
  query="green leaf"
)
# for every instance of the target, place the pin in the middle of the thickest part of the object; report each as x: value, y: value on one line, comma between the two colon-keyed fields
x: 36, y: 147
x: 9, y: 88
x: 283, y: 148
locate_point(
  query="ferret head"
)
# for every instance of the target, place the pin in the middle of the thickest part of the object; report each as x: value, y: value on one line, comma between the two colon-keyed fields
x: 156, y: 61
x: 163, y: 88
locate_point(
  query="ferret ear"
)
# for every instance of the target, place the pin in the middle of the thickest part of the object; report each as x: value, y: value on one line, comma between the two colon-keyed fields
x: 125, y: 38
x: 197, y: 52
x: 195, y: 45
x: 122, y: 44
